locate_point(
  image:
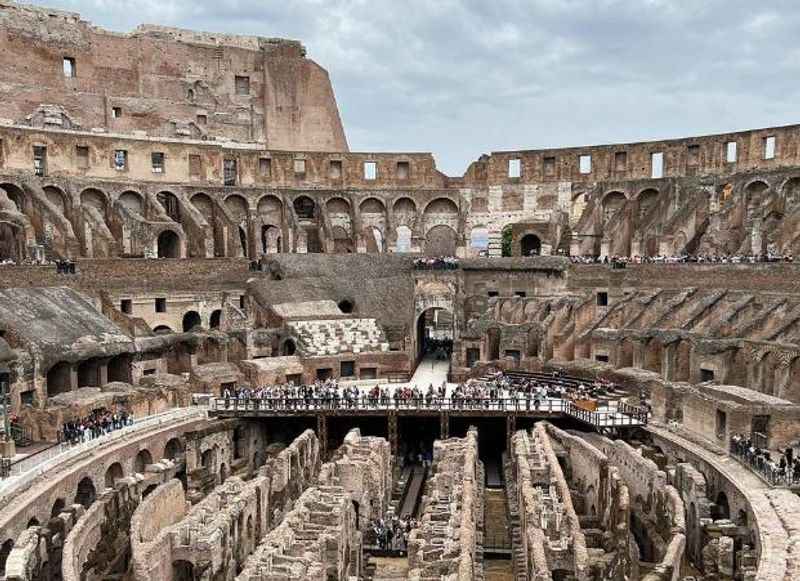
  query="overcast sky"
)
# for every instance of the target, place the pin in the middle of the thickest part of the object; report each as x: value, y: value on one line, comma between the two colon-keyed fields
x: 462, y: 78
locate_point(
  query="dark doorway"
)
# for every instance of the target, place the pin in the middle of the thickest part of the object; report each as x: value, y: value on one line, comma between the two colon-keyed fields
x: 169, y: 245
x: 530, y: 245
x: 191, y: 320
x: 491, y: 443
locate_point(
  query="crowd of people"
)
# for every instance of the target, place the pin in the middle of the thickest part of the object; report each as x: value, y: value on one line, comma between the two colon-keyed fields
x: 783, y: 468
x: 436, y: 263
x: 391, y: 534
x: 62, y: 266
x: 528, y: 392
x: 684, y: 259
x: 96, y: 424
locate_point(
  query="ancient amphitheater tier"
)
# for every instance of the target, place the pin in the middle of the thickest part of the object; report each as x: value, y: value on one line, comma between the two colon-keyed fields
x: 231, y: 349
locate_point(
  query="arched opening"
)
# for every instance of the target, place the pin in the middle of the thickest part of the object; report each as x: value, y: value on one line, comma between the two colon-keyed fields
x: 11, y: 246
x: 223, y: 472
x: 58, y: 507
x: 191, y: 320
x: 791, y: 194
x: 346, y: 306
x: 441, y: 241
x: 304, y: 207
x: 169, y: 245
x: 174, y: 449
x: 646, y: 200
x: 33, y: 522
x: 142, y: 461
x: 183, y: 571
x: 530, y: 245
x: 132, y: 202
x: 5, y: 551
x: 493, y: 344
x: 722, y: 509
x: 435, y: 333
x: 534, y: 340
x: 216, y: 319
x: 612, y: 203
x: 270, y: 239
x: 59, y: 379
x: 756, y: 193
x: 89, y: 373
x: 113, y: 473
x: 171, y: 206
x: 86, y: 493
x: 403, y: 243
x: 289, y: 348
x: 162, y: 330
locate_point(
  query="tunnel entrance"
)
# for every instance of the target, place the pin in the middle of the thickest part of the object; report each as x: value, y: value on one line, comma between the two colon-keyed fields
x: 435, y: 333
x: 491, y: 443
x: 415, y: 437
x: 283, y: 430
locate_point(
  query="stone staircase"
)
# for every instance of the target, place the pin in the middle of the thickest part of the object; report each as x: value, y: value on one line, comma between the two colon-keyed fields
x: 331, y: 337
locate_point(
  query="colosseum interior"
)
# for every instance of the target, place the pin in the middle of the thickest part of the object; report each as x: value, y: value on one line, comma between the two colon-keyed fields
x: 232, y: 349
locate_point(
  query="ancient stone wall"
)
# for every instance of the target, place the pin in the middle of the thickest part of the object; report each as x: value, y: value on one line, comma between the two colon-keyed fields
x: 447, y: 542
x: 321, y: 536
x: 214, y: 85
x: 656, y: 506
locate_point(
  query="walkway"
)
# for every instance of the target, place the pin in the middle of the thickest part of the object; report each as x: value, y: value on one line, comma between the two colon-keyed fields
x: 776, y: 511
x: 430, y: 371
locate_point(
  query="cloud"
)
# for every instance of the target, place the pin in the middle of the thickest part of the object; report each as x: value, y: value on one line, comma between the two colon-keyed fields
x: 460, y: 78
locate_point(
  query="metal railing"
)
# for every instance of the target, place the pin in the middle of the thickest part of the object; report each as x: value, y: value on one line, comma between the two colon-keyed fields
x: 24, y: 471
x: 760, y: 461
x: 617, y: 413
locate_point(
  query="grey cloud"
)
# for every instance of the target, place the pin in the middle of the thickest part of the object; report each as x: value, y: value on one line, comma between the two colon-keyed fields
x: 463, y: 78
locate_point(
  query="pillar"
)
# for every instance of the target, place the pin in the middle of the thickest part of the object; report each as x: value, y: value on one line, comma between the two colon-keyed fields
x: 322, y: 433
x: 392, y: 431
x: 511, y: 428
x: 73, y: 376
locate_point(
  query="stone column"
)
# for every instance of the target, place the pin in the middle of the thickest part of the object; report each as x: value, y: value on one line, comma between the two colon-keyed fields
x: 322, y: 433
x: 511, y: 428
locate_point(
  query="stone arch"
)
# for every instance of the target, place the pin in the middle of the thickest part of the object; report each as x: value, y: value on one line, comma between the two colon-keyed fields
x: 791, y: 391
x: 89, y: 373
x: 755, y: 195
x: 183, y: 571
x: 168, y: 244
x: 5, y: 551
x: 223, y: 472
x: 215, y: 319
x: 162, y: 329
x: 57, y: 198
x: 791, y: 193
x: 173, y: 449
x: 613, y: 202
x: 769, y: 367
x: 205, y: 205
x: 143, y: 459
x: 58, y: 507
x: 372, y: 205
x: 270, y: 207
x: 113, y: 474
x: 534, y: 340
x: 17, y: 195
x: 238, y: 208
x: 530, y: 245
x: 119, y: 368
x: 191, y: 319
x: 288, y: 348
x: 95, y: 198
x: 441, y: 206
x: 86, y: 493
x: 337, y: 205
x: 404, y: 210
x: 441, y: 241
x: 59, y: 379
x: 305, y: 207
x: 722, y: 508
x: 132, y: 201
x: 171, y: 205
x: 646, y: 200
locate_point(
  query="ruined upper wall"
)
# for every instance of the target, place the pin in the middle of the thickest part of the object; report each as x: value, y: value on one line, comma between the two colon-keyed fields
x: 164, y: 82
